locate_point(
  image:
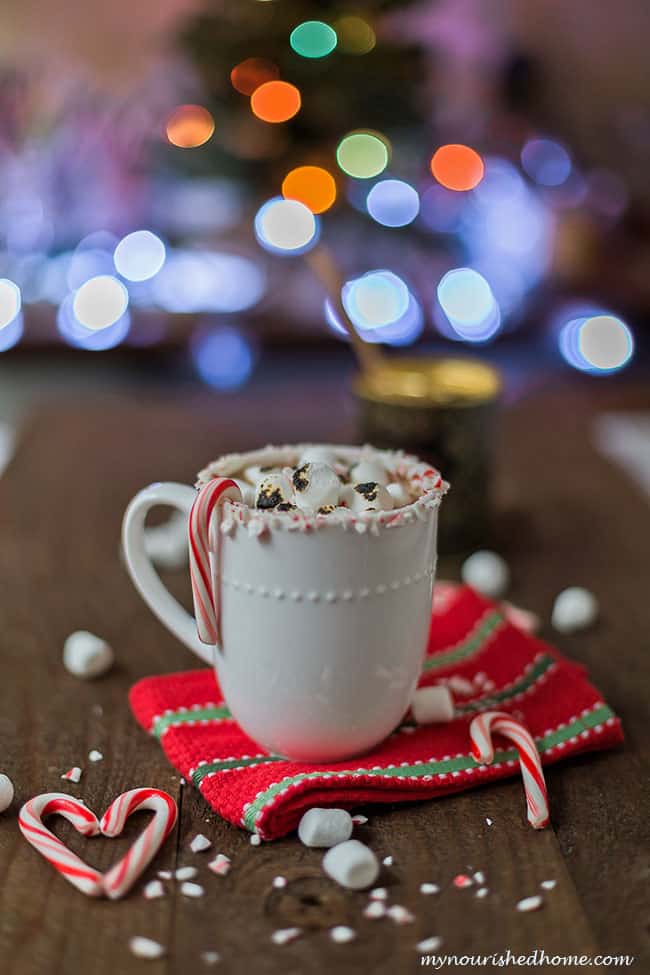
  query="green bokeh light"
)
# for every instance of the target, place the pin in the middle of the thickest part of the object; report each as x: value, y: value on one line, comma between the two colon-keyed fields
x: 362, y: 155
x: 313, y: 39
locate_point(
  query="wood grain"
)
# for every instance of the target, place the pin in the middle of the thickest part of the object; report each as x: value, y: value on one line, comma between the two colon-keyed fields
x: 565, y: 517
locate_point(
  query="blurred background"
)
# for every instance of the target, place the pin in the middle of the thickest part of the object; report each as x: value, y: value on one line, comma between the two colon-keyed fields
x: 477, y: 170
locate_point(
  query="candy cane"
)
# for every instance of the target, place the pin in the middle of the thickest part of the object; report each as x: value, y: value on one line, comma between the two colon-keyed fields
x: 201, y: 541
x: 84, y: 878
x: 530, y: 763
x: 123, y: 875
x: 120, y: 878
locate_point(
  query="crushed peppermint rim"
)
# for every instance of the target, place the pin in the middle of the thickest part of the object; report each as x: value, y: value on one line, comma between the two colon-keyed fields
x: 424, y: 481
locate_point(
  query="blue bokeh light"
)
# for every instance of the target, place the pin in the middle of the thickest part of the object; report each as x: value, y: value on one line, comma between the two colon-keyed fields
x: 467, y: 309
x: 93, y: 340
x: 594, y: 341
x: 286, y: 227
x: 393, y: 203
x: 11, y: 333
x: 381, y: 307
x: 222, y: 356
x: 207, y: 281
x: 546, y: 162
x: 139, y: 256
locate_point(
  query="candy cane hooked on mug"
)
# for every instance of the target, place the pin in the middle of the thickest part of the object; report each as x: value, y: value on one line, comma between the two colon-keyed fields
x: 207, y: 503
x: 530, y: 763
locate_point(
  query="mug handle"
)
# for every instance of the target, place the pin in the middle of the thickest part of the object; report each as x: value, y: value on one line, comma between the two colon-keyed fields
x: 145, y: 578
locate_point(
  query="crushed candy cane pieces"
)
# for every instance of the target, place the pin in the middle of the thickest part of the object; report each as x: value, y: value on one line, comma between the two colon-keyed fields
x: 188, y: 889
x: 359, y: 820
x: 387, y: 861
x: 482, y: 892
x: 185, y: 873
x: 210, y: 957
x: 530, y: 903
x: 220, y: 865
x: 95, y: 756
x: 479, y: 877
x: 165, y: 874
x: 378, y: 894
x: 255, y: 839
x: 548, y: 884
x: 400, y: 914
x: 488, y: 820
x: 284, y: 935
x: 153, y: 890
x: 429, y: 944
x: 462, y: 881
x: 374, y: 910
x: 279, y: 882
x: 200, y: 843
x: 72, y: 775
x: 145, y: 948
x: 427, y: 888
x: 342, y: 934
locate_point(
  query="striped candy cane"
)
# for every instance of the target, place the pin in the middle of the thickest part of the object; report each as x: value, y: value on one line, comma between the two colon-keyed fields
x: 481, y: 730
x: 202, y: 541
x: 84, y: 878
x: 120, y: 878
x: 123, y: 875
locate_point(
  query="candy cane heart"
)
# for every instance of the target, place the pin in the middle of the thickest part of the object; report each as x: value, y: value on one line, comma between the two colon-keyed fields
x: 530, y: 763
x: 202, y: 538
x: 120, y: 878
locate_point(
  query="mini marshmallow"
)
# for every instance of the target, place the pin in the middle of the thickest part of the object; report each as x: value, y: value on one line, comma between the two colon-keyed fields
x: 317, y: 454
x: 279, y: 882
x: 399, y: 494
x: 486, y: 572
x: 146, y: 948
x: 95, y: 756
x: 432, y: 705
x: 369, y: 470
x: 530, y: 903
x: 255, y: 839
x: 272, y: 490
x: 368, y: 495
x: 167, y: 544
x: 6, y: 792
x: 351, y: 864
x: 315, y: 486
x: 341, y: 934
x: 153, y: 890
x: 186, y: 873
x: 574, y: 609
x: 86, y: 655
x: 325, y: 827
x: 200, y: 843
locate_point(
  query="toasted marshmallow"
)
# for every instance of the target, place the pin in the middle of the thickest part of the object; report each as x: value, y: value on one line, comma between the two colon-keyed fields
x: 272, y: 490
x: 315, y: 486
x: 367, y: 496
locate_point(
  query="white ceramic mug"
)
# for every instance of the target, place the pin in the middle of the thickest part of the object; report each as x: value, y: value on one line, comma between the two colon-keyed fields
x: 323, y: 624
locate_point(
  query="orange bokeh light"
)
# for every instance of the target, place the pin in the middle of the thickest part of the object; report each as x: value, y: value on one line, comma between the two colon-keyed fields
x: 275, y: 101
x: 312, y: 185
x: 457, y: 167
x: 251, y: 73
x: 189, y: 126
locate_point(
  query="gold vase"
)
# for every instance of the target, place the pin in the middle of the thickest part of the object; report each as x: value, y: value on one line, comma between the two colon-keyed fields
x: 443, y: 410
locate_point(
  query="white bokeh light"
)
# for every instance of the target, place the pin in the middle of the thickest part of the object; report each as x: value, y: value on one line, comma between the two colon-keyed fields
x: 100, y: 301
x: 605, y: 342
x: 286, y: 226
x: 10, y: 301
x: 139, y: 255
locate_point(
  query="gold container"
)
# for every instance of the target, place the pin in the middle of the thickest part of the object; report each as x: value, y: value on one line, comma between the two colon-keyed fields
x: 444, y: 411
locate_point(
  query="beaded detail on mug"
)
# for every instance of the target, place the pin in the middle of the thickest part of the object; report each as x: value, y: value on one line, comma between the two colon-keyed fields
x: 329, y: 595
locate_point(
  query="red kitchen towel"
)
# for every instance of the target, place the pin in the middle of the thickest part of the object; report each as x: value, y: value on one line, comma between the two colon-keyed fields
x: 486, y: 660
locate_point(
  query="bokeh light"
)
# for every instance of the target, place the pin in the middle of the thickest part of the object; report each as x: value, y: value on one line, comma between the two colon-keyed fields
x: 87, y: 263
x: 100, y: 302
x: 275, y: 101
x: 362, y: 155
x: 596, y: 342
x: 286, y: 226
x: 10, y: 302
x: 207, y: 281
x: 11, y: 333
x: 441, y: 209
x: 546, y: 162
x: 189, y: 126
x: 248, y: 75
x: 222, y: 356
x: 355, y: 35
x: 90, y: 339
x: 139, y: 255
x: 381, y: 307
x: 311, y: 185
x: 393, y: 203
x: 457, y: 167
x: 313, y: 39
x: 468, y: 304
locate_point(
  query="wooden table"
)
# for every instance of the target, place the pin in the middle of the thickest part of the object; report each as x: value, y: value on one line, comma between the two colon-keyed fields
x: 565, y: 516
